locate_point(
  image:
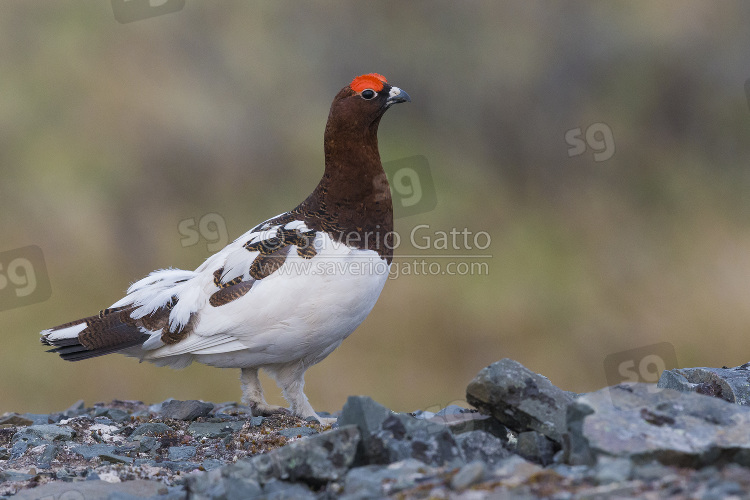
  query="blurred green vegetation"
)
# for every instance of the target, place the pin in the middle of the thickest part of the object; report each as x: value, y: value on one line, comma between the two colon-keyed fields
x: 112, y: 134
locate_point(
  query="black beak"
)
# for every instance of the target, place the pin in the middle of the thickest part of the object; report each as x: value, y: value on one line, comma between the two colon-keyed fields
x: 397, y: 95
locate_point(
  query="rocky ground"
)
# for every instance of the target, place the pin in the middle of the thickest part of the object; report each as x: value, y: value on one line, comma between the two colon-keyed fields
x: 688, y: 437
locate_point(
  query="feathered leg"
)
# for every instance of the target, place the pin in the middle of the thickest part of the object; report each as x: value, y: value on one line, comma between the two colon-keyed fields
x: 291, y: 379
x: 252, y: 394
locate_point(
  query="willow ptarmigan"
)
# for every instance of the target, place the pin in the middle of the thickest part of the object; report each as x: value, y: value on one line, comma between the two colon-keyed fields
x: 285, y: 294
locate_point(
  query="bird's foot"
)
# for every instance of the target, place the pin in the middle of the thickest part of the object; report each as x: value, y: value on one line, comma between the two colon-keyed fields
x: 266, y: 410
x: 326, y: 421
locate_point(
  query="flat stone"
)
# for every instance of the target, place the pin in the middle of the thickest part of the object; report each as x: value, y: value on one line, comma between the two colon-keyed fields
x: 46, y: 432
x: 150, y: 428
x: 178, y: 453
x: 469, y: 474
x: 37, y: 418
x: 468, y: 421
x: 297, y: 432
x: 214, y: 429
x: 91, y: 490
x: 729, y: 384
x: 13, y: 475
x: 179, y: 466
x: 644, y: 424
x: 520, y: 399
x: 115, y: 459
x: 185, y: 410
x: 15, y: 419
x: 117, y: 415
x: 379, y: 481
x: 515, y: 470
x: 480, y: 445
x: 89, y: 451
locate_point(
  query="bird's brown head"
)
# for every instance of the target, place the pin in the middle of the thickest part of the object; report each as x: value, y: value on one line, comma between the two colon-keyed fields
x: 360, y: 105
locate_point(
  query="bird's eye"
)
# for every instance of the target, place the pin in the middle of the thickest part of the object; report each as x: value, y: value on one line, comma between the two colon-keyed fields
x: 368, y: 94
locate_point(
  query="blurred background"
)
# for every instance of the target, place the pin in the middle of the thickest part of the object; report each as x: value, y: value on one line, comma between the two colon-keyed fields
x: 600, y: 150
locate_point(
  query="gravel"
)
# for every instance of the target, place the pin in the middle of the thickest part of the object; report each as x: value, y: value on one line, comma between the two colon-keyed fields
x: 526, y: 439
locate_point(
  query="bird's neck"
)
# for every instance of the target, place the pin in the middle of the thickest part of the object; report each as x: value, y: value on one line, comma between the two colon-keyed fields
x: 353, y: 194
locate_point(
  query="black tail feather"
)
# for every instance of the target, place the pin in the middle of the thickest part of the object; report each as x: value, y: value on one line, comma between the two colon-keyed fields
x: 110, y: 331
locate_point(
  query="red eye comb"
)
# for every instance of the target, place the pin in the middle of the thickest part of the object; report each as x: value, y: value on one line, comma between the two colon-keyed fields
x: 372, y: 81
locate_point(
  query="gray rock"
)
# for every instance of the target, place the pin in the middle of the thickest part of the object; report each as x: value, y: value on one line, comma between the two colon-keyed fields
x: 642, y: 424
x: 45, y: 459
x: 117, y: 415
x: 317, y: 459
x: 4, y: 453
x: 91, y: 490
x: 16, y: 420
x: 391, y: 437
x: 468, y: 421
x: 178, y: 453
x: 480, y: 445
x: 295, y: 432
x: 76, y: 409
x: 469, y: 474
x: 37, y: 418
x: 377, y: 481
x: 185, y: 410
x: 536, y: 447
x: 282, y: 490
x: 221, y: 484
x: 214, y: 429
x: 115, y: 459
x: 402, y: 436
x: 729, y: 384
x: 46, y: 432
x: 515, y: 468
x: 256, y: 421
x: 613, y: 470
x: 13, y: 475
x: 314, y: 460
x: 368, y: 416
x: 89, y: 451
x: 37, y: 435
x: 179, y: 466
x: 64, y: 475
x: 520, y: 399
x: 651, y: 471
x: 147, y: 444
x: 212, y: 463
x: 150, y: 428
x: 365, y: 413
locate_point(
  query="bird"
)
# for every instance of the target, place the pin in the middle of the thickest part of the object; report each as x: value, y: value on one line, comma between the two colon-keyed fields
x: 282, y: 296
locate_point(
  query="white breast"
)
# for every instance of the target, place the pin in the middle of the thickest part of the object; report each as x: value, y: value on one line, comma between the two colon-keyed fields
x: 302, y: 311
